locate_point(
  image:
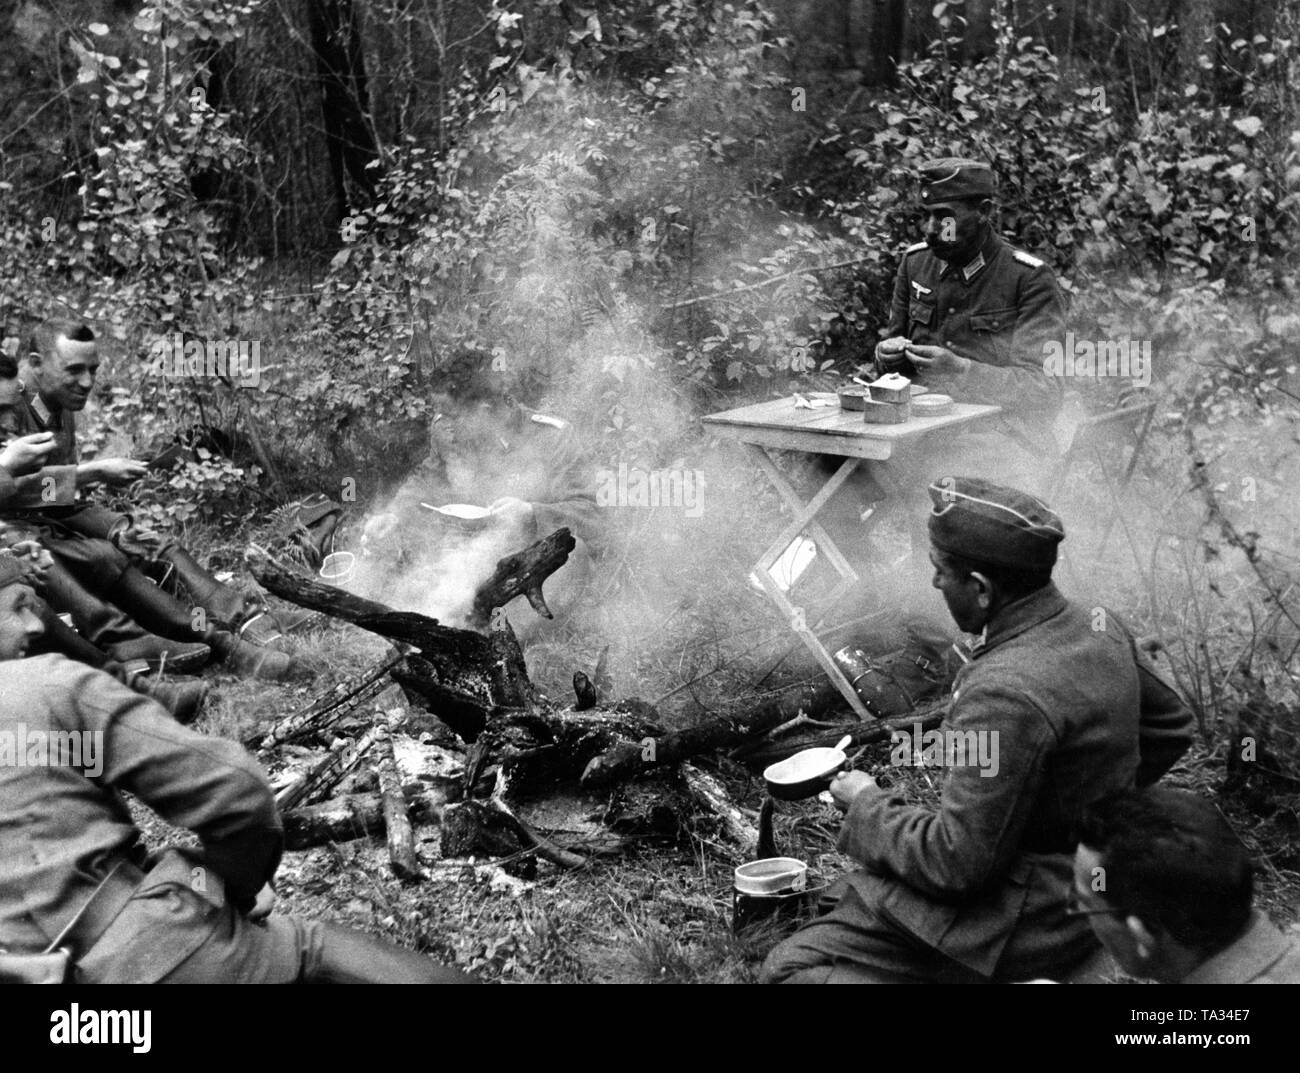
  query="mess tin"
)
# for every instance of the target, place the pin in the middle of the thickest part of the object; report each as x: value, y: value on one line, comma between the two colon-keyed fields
x: 807, y: 773
x: 853, y: 398
x: 464, y: 516
x: 774, y: 891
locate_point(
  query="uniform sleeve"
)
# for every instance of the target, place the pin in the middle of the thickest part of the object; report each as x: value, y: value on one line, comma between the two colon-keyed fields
x: 1040, y: 318
x: 1165, y: 729
x: 209, y: 785
x: 51, y: 486
x: 969, y: 842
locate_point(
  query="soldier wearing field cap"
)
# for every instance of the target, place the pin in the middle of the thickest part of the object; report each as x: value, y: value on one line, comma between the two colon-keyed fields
x: 971, y: 315
x: 977, y: 888
x: 969, y: 318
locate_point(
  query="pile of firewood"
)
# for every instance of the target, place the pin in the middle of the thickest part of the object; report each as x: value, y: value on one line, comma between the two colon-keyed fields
x: 448, y: 730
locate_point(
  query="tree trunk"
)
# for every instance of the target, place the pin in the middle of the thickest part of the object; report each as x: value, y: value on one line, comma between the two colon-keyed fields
x: 886, y: 21
x: 335, y: 33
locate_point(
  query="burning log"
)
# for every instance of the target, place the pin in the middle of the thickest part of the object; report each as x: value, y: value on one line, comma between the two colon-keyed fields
x: 626, y: 759
x: 758, y: 755
x: 539, y: 761
x: 398, y: 832
x: 342, y: 819
x: 338, y: 702
x: 327, y: 773
x: 713, y: 798
x: 522, y: 574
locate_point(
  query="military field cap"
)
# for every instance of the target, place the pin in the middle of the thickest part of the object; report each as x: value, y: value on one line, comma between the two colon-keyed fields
x: 953, y: 177
x: 990, y: 523
x: 12, y: 572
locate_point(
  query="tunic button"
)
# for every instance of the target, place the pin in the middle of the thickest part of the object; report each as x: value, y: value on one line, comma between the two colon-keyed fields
x: 952, y: 309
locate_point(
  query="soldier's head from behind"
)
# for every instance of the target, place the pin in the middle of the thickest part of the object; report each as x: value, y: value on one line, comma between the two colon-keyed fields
x: 1162, y: 879
x: 990, y: 546
x: 20, y: 624
x: 957, y: 204
x: 62, y: 363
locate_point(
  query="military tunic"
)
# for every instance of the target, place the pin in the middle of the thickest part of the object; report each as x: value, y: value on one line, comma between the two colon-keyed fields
x: 999, y: 310
x: 65, y: 827
x: 977, y: 888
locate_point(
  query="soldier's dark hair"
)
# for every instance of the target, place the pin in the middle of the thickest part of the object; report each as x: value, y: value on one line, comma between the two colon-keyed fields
x: 1013, y: 582
x: 1171, y: 860
x: 45, y: 337
x: 8, y: 367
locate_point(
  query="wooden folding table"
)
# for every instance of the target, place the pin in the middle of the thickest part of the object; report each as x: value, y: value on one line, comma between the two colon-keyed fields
x: 784, y: 425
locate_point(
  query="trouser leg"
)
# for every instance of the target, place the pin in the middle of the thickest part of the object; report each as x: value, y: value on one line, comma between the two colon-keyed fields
x: 156, y: 609
x: 101, y: 623
x: 284, y: 949
x: 58, y: 637
x: 853, y: 944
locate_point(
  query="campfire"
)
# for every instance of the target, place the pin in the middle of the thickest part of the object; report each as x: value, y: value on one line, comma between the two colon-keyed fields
x: 453, y: 733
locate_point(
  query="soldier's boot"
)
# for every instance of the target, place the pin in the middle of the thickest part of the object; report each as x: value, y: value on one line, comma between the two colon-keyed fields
x: 106, y: 629
x: 182, y: 697
x: 226, y: 606
x: 250, y: 661
x: 157, y: 652
x: 223, y: 604
x: 171, y: 618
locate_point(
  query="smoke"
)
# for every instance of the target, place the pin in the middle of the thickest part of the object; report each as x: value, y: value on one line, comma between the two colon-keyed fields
x: 578, y: 219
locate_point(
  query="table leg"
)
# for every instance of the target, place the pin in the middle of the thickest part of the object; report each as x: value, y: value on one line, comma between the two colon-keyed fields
x: 805, y: 519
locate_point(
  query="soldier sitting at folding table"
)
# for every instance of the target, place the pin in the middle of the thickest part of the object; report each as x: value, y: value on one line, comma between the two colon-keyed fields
x: 74, y: 872
x: 970, y: 318
x: 91, y: 542
x: 1066, y: 707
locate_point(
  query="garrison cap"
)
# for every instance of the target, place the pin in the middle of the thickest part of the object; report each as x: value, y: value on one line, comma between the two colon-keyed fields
x: 990, y: 523
x: 952, y: 178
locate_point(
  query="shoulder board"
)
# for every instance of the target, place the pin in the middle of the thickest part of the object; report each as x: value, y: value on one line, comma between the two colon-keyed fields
x: 916, y: 247
x: 1027, y: 259
x: 547, y: 419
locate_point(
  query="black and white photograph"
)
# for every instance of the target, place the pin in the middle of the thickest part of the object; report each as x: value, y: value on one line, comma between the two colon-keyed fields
x: 651, y: 492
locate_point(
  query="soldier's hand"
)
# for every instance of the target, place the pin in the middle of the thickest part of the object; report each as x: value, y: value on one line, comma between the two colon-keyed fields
x: 26, y: 453
x: 937, y: 359
x: 141, y: 543
x: 378, y: 528
x: 34, y: 559
x: 847, y: 785
x: 890, y: 348
x: 118, y: 470
x: 265, y: 904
